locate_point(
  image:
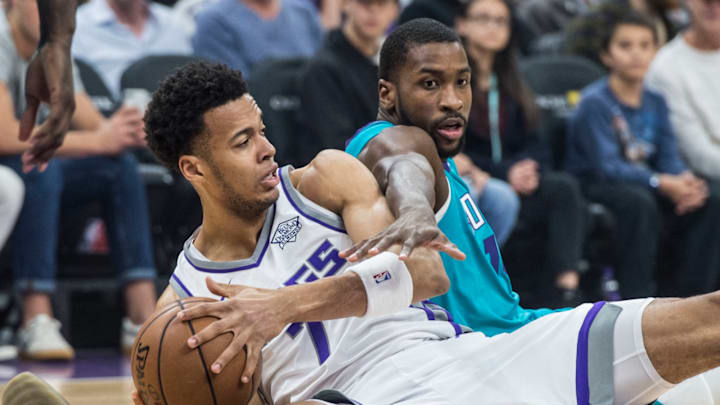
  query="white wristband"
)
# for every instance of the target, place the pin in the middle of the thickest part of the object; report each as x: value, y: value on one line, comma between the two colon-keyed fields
x: 387, y: 282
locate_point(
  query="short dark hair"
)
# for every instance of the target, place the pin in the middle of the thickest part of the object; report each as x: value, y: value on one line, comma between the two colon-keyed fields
x: 416, y: 32
x: 629, y: 17
x: 174, y: 117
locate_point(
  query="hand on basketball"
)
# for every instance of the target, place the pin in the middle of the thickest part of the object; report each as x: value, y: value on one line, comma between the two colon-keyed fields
x: 252, y: 315
x: 410, y: 230
x: 49, y: 80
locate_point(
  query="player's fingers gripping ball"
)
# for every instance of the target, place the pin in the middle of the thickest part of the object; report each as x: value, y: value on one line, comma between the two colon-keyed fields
x: 166, y: 371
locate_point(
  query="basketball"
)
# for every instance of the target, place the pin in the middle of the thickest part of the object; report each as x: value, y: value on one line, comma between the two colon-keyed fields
x: 166, y: 371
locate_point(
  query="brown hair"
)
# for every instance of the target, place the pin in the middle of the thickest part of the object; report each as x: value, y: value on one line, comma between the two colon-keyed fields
x: 505, y: 67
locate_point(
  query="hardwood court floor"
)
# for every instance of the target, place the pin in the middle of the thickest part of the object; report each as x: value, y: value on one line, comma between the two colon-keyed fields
x: 93, y: 391
x: 95, y: 377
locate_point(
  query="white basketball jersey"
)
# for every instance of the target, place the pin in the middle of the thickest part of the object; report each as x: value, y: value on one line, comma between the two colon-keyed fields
x: 299, y: 243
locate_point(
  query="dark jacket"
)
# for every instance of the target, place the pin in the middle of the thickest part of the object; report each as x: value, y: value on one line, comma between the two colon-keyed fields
x: 518, y: 142
x: 339, y: 95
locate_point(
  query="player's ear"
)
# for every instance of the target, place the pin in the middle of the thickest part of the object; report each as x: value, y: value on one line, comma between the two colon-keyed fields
x: 191, y: 168
x: 387, y: 93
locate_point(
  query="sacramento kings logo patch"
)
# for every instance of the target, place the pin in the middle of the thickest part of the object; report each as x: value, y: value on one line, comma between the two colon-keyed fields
x: 287, y: 232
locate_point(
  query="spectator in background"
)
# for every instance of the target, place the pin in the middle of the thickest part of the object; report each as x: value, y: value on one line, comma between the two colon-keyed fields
x: 11, y: 198
x: 339, y: 90
x: 339, y: 84
x: 112, y: 34
x: 621, y: 145
x: 241, y: 33
x: 184, y: 12
x: 584, y: 34
x: 501, y: 140
x: 330, y: 13
x: 445, y: 11
x: 98, y: 168
x: 687, y: 72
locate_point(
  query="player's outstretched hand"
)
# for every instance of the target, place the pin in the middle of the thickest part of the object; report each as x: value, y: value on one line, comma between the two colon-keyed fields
x: 411, y: 230
x: 49, y: 79
x: 252, y: 315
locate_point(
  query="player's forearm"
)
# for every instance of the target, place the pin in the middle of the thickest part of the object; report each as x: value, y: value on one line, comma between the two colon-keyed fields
x: 409, y: 186
x: 345, y: 295
x: 57, y: 21
x: 334, y: 297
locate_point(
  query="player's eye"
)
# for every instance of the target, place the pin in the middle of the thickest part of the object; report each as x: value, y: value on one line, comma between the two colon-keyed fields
x: 463, y: 82
x: 430, y: 84
x: 242, y: 143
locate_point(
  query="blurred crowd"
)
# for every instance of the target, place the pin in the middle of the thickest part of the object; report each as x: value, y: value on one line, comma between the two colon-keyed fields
x: 592, y: 148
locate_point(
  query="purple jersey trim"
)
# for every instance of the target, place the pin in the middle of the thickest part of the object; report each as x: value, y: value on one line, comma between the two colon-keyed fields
x: 180, y: 283
x: 582, y: 385
x: 308, y: 216
x: 247, y: 267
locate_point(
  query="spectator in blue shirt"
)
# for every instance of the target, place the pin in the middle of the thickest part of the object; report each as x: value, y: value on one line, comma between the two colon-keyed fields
x: 112, y: 34
x: 622, y: 147
x: 241, y: 33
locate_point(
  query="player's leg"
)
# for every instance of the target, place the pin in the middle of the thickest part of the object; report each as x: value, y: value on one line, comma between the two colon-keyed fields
x: 27, y: 389
x: 681, y: 336
x: 703, y: 389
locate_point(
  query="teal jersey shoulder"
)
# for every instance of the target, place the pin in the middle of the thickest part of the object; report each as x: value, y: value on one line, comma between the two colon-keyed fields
x: 480, y: 295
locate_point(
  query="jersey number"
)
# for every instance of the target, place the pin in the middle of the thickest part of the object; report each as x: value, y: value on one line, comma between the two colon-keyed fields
x: 472, y: 211
x: 323, y: 256
x: 476, y: 221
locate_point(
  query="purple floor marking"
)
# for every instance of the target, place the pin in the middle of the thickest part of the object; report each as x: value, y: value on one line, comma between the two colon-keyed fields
x: 87, y: 364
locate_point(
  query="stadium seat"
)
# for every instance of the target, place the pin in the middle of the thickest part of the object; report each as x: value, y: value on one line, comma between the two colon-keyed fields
x: 557, y: 81
x: 96, y: 88
x: 147, y: 72
x: 274, y: 84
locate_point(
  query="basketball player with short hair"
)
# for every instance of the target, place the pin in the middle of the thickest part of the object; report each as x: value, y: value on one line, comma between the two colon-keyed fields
x: 270, y: 240
x: 424, y: 107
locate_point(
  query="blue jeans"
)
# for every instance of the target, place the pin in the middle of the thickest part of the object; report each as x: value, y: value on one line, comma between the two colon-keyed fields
x: 113, y: 181
x: 500, y: 205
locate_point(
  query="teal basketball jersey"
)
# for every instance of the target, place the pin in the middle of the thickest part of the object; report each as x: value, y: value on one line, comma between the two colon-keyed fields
x: 480, y: 295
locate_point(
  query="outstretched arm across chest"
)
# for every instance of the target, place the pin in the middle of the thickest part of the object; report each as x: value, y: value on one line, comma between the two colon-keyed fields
x: 405, y: 162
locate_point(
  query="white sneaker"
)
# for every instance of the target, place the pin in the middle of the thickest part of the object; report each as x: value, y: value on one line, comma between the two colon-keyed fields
x: 128, y: 332
x: 41, y: 340
x: 8, y: 352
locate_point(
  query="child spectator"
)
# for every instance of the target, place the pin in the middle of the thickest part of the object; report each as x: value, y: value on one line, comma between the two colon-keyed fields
x: 502, y: 141
x: 622, y: 147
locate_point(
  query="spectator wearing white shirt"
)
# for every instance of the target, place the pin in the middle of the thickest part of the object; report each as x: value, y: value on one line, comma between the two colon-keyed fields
x: 112, y: 34
x: 687, y: 72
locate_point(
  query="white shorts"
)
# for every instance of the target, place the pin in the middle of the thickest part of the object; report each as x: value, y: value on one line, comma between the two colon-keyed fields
x: 562, y: 358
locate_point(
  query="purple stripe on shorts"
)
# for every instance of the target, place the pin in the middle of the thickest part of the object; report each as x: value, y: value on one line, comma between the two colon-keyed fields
x: 180, y: 283
x: 294, y: 329
x: 310, y: 217
x: 428, y: 312
x: 582, y: 384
